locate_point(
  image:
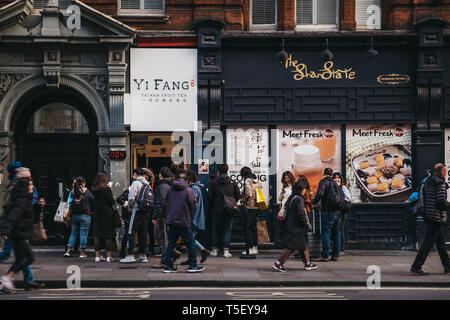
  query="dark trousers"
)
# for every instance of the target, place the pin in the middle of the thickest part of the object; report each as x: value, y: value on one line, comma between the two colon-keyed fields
x: 139, y: 225
x: 435, y: 235
x: 103, y: 243
x: 23, y: 254
x: 162, y: 238
x: 188, y: 239
x: 151, y: 237
x: 251, y: 231
x: 221, y: 227
x: 123, y: 247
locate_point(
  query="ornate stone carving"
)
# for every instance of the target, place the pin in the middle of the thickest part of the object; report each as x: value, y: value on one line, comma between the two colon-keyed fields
x: 104, y: 154
x: 100, y: 83
x: 8, y: 80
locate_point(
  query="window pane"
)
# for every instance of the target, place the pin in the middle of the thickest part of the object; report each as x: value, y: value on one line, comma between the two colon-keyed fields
x: 153, y: 4
x: 361, y: 10
x: 304, y: 12
x: 130, y: 4
x: 62, y: 4
x: 39, y: 4
x: 263, y: 11
x: 326, y: 11
x: 58, y: 118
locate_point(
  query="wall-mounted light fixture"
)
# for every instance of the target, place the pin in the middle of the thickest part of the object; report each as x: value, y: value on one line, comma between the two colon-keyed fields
x: 371, y: 53
x: 326, y: 54
x: 282, y: 54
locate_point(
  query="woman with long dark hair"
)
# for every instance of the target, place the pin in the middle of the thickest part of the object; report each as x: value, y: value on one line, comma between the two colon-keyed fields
x: 80, y: 213
x: 250, y: 209
x: 339, y: 179
x: 104, y: 219
x: 287, y: 181
x: 294, y: 229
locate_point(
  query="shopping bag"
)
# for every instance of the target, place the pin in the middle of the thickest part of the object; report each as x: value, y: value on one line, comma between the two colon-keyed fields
x: 263, y: 233
x: 62, y: 210
x: 260, y: 201
x: 281, y: 216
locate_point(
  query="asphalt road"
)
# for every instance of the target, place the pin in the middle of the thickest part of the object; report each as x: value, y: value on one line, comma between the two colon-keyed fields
x: 237, y: 294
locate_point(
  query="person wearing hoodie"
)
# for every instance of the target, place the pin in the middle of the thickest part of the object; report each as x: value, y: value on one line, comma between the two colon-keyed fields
x: 181, y: 202
x: 435, y: 216
x: 221, y: 220
x: 138, y: 220
x: 18, y: 227
x: 198, y: 215
x: 166, y: 180
x: 251, y: 185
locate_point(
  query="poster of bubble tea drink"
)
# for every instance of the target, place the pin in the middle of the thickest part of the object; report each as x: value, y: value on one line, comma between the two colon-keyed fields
x: 249, y: 146
x: 308, y: 150
x: 379, y: 162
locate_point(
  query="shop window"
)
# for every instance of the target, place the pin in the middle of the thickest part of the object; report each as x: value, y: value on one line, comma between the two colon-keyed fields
x: 141, y: 7
x: 58, y: 118
x: 263, y: 14
x: 316, y: 14
x: 368, y: 14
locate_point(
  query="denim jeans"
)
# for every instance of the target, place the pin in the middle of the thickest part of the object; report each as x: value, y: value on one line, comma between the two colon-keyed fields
x: 197, y: 243
x: 188, y: 238
x: 221, y: 231
x: 24, y: 257
x: 80, y: 228
x: 331, y: 220
x: 6, y: 253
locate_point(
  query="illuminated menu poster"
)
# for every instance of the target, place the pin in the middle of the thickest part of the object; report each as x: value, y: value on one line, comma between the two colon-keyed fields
x: 447, y: 157
x: 308, y: 150
x: 379, y: 163
x: 249, y: 146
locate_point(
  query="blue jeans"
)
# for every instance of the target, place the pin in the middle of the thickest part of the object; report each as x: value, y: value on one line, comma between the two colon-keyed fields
x: 331, y: 220
x: 197, y: 244
x: 188, y: 238
x: 80, y: 227
x: 221, y: 231
x: 6, y: 253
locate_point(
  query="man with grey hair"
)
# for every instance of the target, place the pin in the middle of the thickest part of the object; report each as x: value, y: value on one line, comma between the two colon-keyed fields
x: 435, y: 216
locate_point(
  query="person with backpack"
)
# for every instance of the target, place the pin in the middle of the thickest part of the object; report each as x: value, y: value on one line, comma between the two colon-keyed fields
x: 251, y: 210
x: 150, y: 177
x: 80, y: 211
x: 140, y: 204
x: 104, y: 219
x: 198, y: 215
x: 294, y: 228
x: 181, y: 202
x: 223, y: 195
x: 331, y: 197
x: 339, y: 179
x: 433, y: 206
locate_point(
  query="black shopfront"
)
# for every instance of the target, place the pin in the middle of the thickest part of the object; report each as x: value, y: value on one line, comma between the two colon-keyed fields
x: 396, y: 102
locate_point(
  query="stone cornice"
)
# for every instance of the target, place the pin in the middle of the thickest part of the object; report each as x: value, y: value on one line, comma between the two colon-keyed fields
x: 14, y: 13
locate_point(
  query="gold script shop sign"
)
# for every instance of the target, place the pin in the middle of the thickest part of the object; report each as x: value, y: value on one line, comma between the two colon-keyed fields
x: 328, y: 72
x: 393, y: 78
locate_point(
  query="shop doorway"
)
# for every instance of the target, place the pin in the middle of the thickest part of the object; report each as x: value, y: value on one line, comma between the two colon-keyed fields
x: 55, y: 138
x: 154, y: 151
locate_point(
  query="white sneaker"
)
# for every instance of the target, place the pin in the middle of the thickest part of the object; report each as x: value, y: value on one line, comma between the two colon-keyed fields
x: 142, y: 259
x: 251, y: 251
x: 226, y: 253
x: 8, y: 283
x: 214, y: 253
x: 128, y: 259
x: 99, y: 259
x: 109, y: 259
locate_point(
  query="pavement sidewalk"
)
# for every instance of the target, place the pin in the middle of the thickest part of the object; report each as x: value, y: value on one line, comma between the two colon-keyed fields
x: 350, y: 270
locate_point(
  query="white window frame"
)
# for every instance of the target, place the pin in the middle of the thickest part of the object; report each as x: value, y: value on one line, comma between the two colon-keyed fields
x: 314, y: 25
x: 141, y: 12
x: 364, y: 27
x: 266, y: 27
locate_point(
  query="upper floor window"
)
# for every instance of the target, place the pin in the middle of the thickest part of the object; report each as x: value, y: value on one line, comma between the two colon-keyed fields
x: 263, y: 14
x: 140, y: 7
x: 316, y: 14
x: 62, y: 4
x: 368, y: 14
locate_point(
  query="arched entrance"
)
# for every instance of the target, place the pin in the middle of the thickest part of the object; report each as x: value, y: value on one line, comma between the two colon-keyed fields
x: 55, y: 136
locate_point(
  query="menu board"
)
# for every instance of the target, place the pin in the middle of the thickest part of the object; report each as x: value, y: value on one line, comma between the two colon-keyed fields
x: 379, y: 162
x: 308, y: 150
x: 249, y: 146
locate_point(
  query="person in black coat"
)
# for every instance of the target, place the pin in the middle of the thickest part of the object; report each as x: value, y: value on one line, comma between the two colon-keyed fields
x: 294, y: 228
x: 104, y: 219
x: 123, y: 201
x: 435, y: 216
x: 18, y: 227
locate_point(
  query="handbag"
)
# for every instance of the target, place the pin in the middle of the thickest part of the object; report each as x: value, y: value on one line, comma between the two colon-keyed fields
x: 63, y: 209
x: 281, y: 216
x: 229, y: 203
x: 39, y: 233
x: 260, y: 200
